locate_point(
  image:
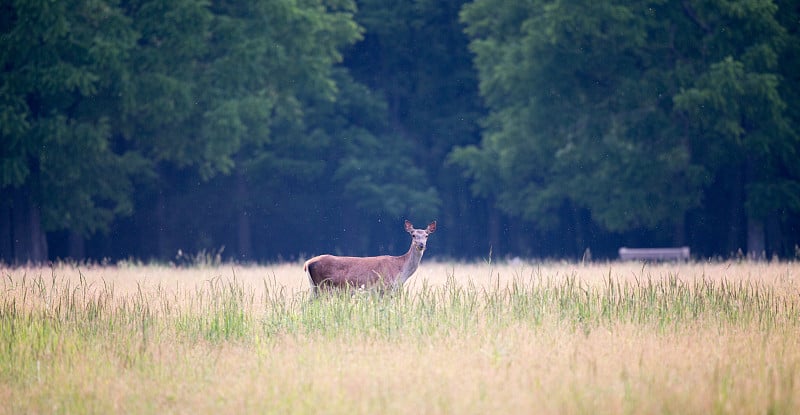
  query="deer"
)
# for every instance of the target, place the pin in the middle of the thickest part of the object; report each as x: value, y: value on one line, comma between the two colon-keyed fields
x: 384, y: 272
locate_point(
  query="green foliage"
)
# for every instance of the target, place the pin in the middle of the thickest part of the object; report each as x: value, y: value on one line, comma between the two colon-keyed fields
x: 616, y: 117
x: 99, y: 95
x: 377, y: 170
x: 736, y: 105
x: 380, y: 177
x: 213, y: 80
x: 160, y: 116
x: 84, y: 184
x: 63, y: 67
x: 415, y: 60
x: 624, y: 108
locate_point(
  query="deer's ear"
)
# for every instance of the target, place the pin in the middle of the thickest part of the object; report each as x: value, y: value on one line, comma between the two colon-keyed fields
x: 432, y: 227
x: 409, y: 226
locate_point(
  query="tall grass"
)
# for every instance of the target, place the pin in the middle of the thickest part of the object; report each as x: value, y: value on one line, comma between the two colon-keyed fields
x: 664, y: 302
x: 36, y: 310
x: 53, y: 329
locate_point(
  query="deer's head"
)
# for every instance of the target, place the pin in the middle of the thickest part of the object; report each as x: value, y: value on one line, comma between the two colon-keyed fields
x: 419, y: 237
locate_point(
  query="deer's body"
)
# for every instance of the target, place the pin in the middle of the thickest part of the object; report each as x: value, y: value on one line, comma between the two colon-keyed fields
x: 329, y: 271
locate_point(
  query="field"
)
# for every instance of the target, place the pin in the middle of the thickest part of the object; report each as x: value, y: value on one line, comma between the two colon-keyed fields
x: 462, y: 338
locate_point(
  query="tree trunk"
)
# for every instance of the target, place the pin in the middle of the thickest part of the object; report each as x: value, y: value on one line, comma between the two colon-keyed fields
x: 244, y: 233
x: 577, y: 231
x: 736, y: 217
x: 28, y: 238
x: 6, y: 246
x: 494, y: 232
x: 679, y: 232
x: 161, y: 225
x: 756, y: 239
x: 76, y: 246
x: 774, y: 236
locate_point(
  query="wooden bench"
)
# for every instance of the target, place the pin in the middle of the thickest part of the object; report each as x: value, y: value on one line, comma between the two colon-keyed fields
x: 658, y: 254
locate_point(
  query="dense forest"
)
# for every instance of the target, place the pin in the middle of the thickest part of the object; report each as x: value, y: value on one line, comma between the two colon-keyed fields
x: 278, y: 129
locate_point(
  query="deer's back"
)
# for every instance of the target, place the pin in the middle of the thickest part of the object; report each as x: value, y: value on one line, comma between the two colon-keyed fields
x: 354, y: 271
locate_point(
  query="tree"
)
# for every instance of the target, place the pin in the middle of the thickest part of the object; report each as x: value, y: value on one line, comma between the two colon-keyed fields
x: 414, y: 58
x: 222, y: 89
x: 590, y: 109
x: 736, y: 113
x: 375, y: 168
x: 63, y: 71
x: 271, y: 66
x: 784, y: 193
x: 101, y: 96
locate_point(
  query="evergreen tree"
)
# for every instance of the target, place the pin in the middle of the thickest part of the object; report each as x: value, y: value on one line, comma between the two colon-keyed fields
x: 63, y: 72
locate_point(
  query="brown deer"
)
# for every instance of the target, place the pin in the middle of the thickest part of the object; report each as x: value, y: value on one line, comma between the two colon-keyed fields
x: 383, y: 272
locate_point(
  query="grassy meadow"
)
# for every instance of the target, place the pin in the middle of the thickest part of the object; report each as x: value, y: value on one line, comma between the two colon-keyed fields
x: 465, y: 338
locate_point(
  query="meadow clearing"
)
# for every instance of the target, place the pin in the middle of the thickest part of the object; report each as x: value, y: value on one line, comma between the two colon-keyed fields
x: 720, y: 337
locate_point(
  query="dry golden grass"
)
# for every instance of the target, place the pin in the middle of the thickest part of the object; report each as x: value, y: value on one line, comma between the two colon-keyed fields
x: 231, y: 339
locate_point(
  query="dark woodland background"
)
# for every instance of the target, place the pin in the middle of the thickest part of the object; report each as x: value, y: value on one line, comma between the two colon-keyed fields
x: 275, y: 129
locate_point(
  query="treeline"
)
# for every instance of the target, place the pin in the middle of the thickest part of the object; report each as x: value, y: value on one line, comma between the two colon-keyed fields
x: 280, y: 128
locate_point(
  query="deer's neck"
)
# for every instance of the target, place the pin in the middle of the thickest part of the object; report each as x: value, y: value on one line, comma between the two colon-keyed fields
x: 411, y: 261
